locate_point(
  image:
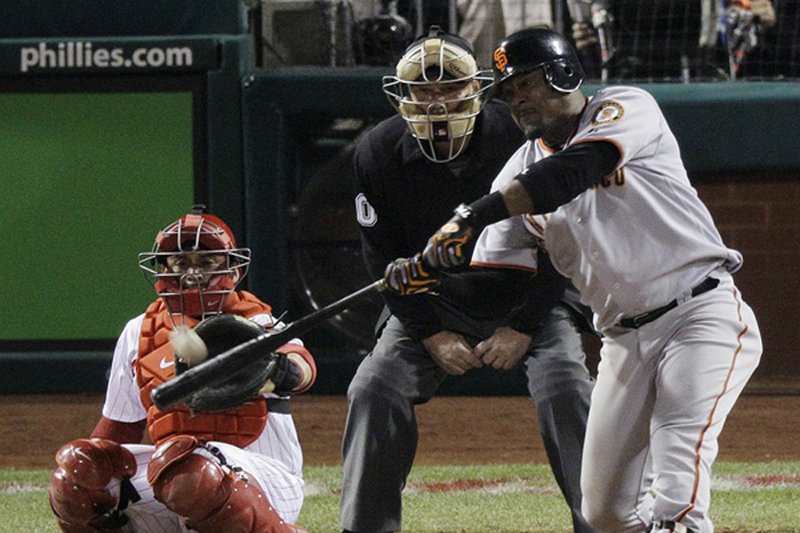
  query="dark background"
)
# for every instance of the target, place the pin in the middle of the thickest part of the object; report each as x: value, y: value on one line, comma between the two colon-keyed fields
x: 271, y: 156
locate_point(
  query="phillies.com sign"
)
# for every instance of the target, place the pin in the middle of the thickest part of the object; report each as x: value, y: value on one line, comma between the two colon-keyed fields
x: 77, y: 56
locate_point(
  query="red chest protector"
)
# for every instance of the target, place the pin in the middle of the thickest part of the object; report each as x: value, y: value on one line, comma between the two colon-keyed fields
x: 156, y: 364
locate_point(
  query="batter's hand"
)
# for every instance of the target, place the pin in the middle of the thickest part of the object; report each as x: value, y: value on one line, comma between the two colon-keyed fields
x: 410, y: 276
x: 451, y: 352
x: 447, y: 248
x: 504, y: 349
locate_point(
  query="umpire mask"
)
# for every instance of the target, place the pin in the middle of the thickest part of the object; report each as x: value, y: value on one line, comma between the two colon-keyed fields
x: 439, y: 91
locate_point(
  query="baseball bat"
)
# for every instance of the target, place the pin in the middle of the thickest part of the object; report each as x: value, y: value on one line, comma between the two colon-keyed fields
x: 217, y: 369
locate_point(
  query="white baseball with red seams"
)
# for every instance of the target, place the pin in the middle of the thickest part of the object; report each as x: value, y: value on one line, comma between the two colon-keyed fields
x: 637, y: 241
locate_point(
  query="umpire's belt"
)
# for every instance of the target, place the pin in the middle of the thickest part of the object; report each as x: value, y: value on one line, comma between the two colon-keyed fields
x: 279, y: 405
x: 640, y: 320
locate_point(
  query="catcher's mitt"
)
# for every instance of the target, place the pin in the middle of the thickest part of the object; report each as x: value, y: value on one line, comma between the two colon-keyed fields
x: 210, y: 338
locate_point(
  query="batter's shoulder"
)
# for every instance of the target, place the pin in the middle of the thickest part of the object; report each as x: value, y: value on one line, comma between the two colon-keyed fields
x: 622, y: 101
x: 626, y: 93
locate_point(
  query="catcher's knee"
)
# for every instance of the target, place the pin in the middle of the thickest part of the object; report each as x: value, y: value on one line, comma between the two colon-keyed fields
x: 77, y: 493
x: 206, y: 496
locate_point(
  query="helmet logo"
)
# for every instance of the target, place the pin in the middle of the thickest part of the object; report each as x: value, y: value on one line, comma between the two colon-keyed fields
x: 500, y: 60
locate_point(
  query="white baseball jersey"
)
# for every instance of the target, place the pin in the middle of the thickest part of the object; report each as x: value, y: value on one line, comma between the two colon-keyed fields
x: 633, y: 243
x: 274, y: 460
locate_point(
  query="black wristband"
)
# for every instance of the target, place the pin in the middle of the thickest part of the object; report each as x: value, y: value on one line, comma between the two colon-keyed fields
x: 488, y: 210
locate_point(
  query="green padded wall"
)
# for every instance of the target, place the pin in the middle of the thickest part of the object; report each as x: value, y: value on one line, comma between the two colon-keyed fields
x: 87, y: 180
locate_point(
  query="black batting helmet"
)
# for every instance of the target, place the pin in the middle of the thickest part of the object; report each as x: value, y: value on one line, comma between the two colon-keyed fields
x: 534, y: 48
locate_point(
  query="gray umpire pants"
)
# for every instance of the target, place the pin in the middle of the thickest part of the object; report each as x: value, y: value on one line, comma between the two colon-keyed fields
x: 380, y: 438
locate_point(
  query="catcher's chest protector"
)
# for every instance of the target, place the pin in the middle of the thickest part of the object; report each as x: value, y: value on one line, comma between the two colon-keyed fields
x: 156, y: 364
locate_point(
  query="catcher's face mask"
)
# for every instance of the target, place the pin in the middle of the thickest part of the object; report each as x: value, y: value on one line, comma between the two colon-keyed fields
x: 194, y: 265
x: 439, y: 91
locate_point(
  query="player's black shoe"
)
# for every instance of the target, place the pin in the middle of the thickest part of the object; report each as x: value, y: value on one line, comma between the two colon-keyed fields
x: 668, y: 526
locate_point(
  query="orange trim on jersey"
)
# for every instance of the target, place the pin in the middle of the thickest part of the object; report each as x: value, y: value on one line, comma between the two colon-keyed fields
x: 544, y: 146
x: 532, y: 221
x: 736, y: 353
x: 503, y: 266
x: 550, y: 150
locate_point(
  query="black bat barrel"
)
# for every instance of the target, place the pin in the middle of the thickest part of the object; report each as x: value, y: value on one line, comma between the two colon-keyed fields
x: 217, y: 369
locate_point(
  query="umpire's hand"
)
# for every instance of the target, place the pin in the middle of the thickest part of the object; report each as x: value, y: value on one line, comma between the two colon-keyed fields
x: 504, y: 349
x: 451, y: 352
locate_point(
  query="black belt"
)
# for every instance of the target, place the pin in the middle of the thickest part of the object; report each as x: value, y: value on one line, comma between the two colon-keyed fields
x: 640, y: 320
x: 279, y: 405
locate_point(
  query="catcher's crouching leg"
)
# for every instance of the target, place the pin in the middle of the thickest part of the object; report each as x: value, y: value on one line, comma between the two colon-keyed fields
x: 208, y: 497
x: 78, y: 494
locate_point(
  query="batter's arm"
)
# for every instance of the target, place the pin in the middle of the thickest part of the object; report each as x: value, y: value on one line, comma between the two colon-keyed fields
x: 541, y: 188
x: 556, y: 180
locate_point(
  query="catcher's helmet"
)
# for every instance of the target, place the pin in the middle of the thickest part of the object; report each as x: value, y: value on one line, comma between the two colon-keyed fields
x: 534, y: 48
x: 205, y: 235
x: 447, y: 61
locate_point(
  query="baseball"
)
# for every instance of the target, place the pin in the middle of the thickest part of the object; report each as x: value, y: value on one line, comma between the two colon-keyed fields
x: 188, y: 345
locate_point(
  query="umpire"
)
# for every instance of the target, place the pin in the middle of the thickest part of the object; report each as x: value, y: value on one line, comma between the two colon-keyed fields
x: 445, y: 146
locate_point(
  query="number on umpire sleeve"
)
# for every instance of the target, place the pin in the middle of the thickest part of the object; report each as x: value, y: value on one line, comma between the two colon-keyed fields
x: 365, y: 213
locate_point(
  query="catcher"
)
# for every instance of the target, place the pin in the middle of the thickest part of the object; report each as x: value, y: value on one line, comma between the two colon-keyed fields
x: 228, y: 460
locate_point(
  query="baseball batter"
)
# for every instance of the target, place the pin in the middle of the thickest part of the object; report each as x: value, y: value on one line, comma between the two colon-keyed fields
x: 237, y: 469
x: 605, y: 191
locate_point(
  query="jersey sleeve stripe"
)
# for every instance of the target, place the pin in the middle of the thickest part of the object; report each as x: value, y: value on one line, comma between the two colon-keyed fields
x: 487, y: 264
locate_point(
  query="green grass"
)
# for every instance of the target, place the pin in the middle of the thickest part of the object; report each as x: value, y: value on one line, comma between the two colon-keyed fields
x: 497, y: 498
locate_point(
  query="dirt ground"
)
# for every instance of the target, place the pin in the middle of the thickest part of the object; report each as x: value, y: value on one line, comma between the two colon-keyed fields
x: 452, y: 429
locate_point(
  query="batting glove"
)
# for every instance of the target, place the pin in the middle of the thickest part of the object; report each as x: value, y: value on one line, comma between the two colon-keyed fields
x: 410, y: 276
x: 448, y: 247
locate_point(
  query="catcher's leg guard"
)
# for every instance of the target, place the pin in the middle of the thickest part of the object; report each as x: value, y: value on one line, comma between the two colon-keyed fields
x: 78, y: 495
x: 209, y: 498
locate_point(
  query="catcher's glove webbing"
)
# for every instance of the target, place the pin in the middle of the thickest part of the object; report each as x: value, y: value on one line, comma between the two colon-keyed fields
x: 220, y: 333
